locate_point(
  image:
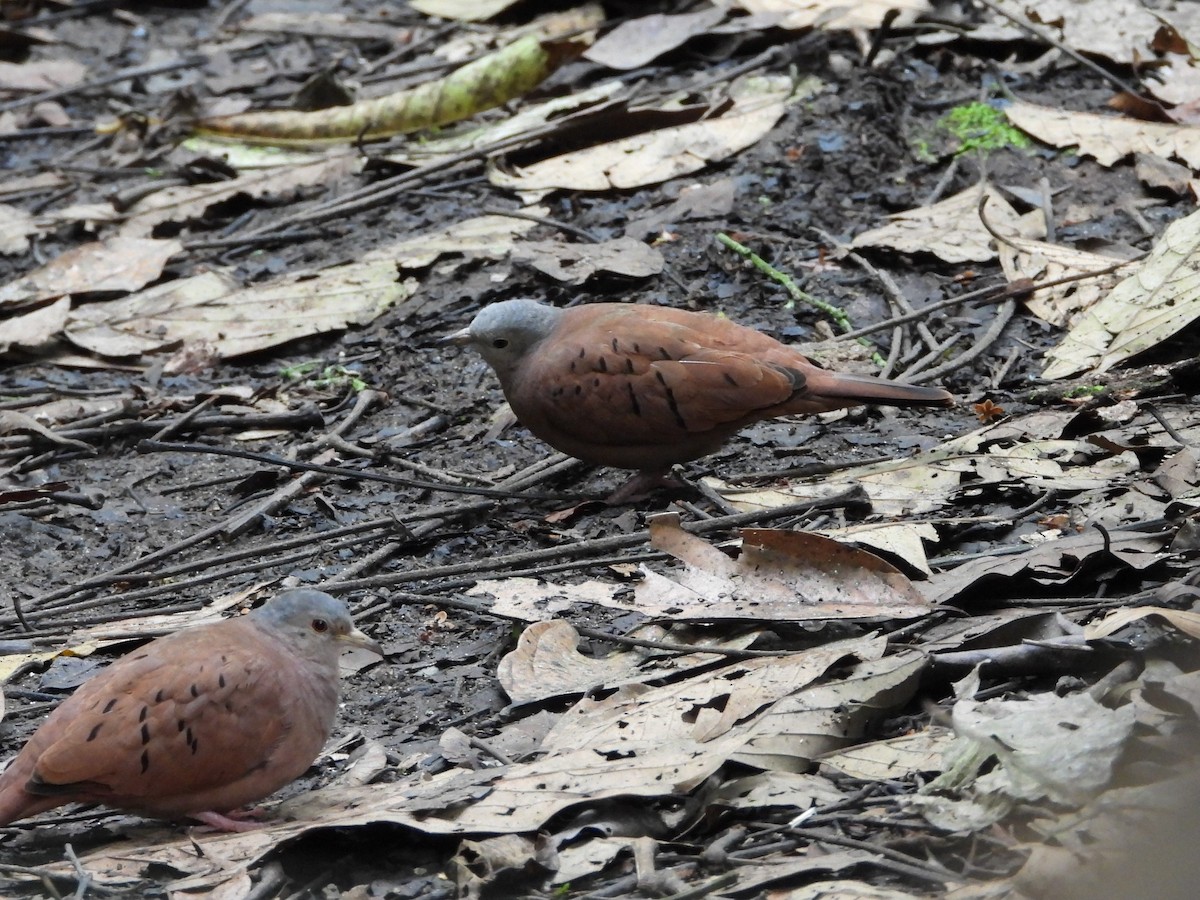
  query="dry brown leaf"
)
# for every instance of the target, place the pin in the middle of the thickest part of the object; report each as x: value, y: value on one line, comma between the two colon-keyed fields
x: 1107, y: 139
x: 636, y: 42
x: 952, y: 229
x: 778, y: 575
x: 829, y: 15
x: 1185, y: 620
x: 16, y: 227
x: 662, y: 154
x: 40, y: 75
x: 1041, y: 262
x: 239, y: 321
x: 576, y: 263
x: 35, y: 328
x: 114, y: 264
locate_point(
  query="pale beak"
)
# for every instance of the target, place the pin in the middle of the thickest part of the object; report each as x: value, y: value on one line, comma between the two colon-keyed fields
x: 356, y: 638
x: 459, y: 338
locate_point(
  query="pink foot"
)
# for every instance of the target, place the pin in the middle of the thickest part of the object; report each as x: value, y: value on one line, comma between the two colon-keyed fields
x: 642, y: 485
x: 235, y: 820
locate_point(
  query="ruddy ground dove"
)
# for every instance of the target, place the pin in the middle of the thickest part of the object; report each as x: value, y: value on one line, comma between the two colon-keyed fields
x: 197, y: 723
x: 644, y: 387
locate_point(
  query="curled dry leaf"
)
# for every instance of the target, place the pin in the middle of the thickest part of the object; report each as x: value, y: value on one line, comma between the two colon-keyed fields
x: 1107, y: 139
x: 483, y: 84
x: 576, y: 263
x: 1185, y: 620
x: 778, y: 575
x: 1159, y: 299
x: 114, y: 264
x: 953, y: 229
x: 662, y: 154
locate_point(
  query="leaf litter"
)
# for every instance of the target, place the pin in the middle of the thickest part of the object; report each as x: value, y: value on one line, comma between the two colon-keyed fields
x: 771, y: 674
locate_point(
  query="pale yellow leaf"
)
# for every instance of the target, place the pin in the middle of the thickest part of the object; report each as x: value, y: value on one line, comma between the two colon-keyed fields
x: 1106, y: 138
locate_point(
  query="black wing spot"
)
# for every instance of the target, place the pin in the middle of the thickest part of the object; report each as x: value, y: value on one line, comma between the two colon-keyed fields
x: 578, y: 389
x: 145, y: 734
x: 615, y: 346
x: 595, y: 382
x: 730, y: 379
x: 572, y: 365
x: 603, y: 364
x: 195, y: 691
x: 675, y: 409
x: 221, y: 680
x: 142, y: 715
x: 108, y: 707
x: 160, y: 696
x: 95, y: 731
x: 628, y: 366
x: 145, y: 761
x: 633, y: 400
x: 581, y: 352
x: 663, y: 351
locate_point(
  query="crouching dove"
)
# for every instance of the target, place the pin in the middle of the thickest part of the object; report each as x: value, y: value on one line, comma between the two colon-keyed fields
x: 197, y: 723
x: 645, y: 387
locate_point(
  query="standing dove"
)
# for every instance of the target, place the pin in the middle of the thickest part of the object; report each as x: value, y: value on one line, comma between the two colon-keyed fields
x: 197, y: 723
x: 642, y: 387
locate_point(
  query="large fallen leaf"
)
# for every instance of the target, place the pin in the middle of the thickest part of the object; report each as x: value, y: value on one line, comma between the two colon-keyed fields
x: 547, y: 661
x: 212, y: 308
x: 636, y: 42
x: 243, y: 320
x: 656, y: 156
x: 115, y: 264
x: 485, y: 83
x: 1054, y: 562
x: 40, y: 75
x: 829, y: 15
x: 1120, y: 30
x: 1184, y: 619
x: 1157, y: 301
x: 722, y: 703
x: 1044, y: 747
x: 952, y: 229
x: 894, y: 758
x: 35, y: 328
x: 786, y: 575
x: 1106, y: 138
x: 1042, y: 262
x: 16, y: 227
x: 576, y: 263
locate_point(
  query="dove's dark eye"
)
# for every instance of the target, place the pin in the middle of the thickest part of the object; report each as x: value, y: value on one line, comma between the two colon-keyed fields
x: 320, y: 626
x: 500, y: 343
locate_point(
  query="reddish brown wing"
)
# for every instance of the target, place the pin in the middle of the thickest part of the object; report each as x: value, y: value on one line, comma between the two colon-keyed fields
x: 634, y: 375
x: 187, y: 713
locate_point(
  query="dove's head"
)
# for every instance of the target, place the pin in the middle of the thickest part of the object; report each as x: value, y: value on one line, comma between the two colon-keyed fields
x: 313, y: 623
x: 505, y: 332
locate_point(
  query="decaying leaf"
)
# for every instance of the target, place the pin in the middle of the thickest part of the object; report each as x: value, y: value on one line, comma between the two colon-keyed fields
x: 1106, y: 138
x: 241, y: 320
x: 547, y: 661
x: 34, y: 328
x: 16, y: 227
x: 662, y: 154
x: 1042, y: 262
x: 1185, y: 620
x: 831, y: 14
x: 1160, y: 298
x: 952, y: 229
x: 576, y: 263
x: 1044, y: 747
x: 483, y: 84
x: 639, y: 41
x: 114, y: 264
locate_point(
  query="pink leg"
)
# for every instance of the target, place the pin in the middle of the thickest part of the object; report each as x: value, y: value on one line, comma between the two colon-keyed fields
x: 234, y: 820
